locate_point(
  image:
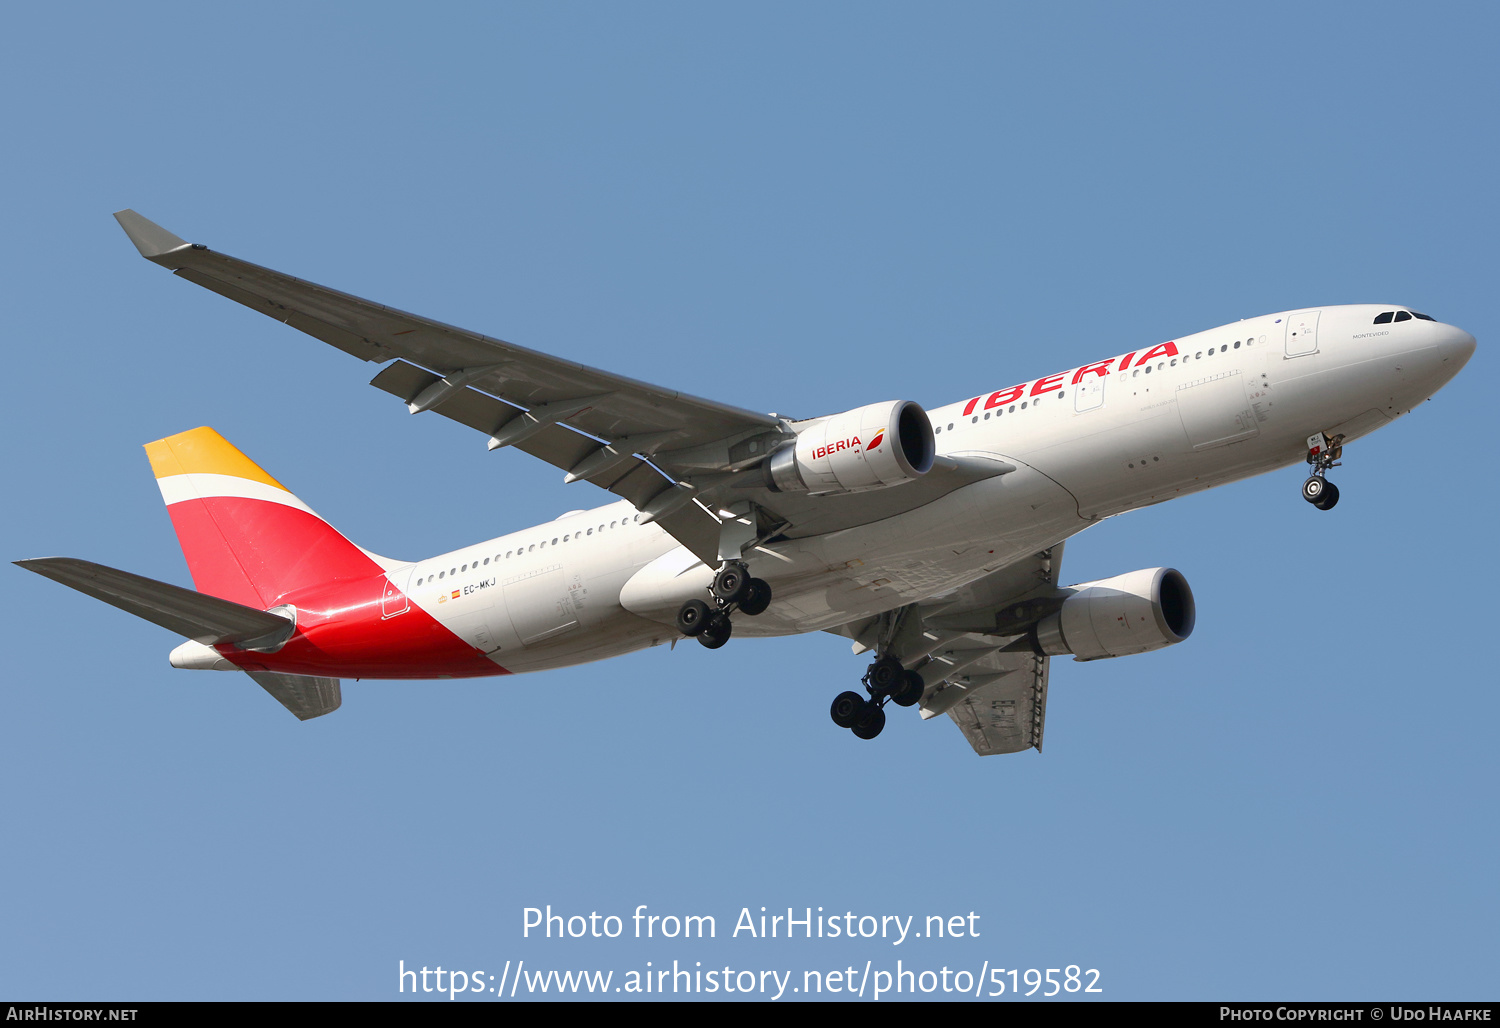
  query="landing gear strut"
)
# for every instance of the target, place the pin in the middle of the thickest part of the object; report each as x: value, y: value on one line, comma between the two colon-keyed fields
x: 1323, y: 453
x: 887, y: 682
x: 733, y: 590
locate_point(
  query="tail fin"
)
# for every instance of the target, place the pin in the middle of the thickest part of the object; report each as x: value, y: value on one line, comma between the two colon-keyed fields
x: 245, y: 537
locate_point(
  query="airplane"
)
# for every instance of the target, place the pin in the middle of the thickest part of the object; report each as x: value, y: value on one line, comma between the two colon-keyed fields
x: 930, y: 539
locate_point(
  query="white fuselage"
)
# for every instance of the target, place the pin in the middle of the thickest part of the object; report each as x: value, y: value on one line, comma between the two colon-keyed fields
x: 1112, y: 436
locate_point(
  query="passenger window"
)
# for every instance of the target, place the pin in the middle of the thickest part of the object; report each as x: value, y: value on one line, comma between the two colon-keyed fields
x: 1012, y: 408
x: 950, y: 426
x: 1023, y: 406
x: 1148, y: 369
x: 986, y: 416
x: 1236, y: 344
x: 1384, y: 319
x: 1199, y: 354
x: 442, y: 574
x: 974, y: 420
x: 1402, y: 316
x: 486, y: 561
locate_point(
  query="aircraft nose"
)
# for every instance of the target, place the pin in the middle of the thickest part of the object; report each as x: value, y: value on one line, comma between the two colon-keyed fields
x: 1457, y: 347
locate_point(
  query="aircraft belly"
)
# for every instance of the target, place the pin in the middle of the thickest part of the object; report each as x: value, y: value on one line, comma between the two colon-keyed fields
x: 828, y: 580
x: 613, y: 634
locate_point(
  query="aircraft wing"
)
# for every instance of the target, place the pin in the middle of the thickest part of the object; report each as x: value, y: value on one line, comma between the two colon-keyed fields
x: 588, y: 422
x: 674, y: 456
x: 974, y: 654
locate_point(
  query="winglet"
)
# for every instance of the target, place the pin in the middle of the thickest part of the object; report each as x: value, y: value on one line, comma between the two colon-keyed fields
x: 151, y: 239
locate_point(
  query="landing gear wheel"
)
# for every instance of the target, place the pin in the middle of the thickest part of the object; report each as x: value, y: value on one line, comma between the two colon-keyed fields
x: 909, y: 692
x: 1328, y: 499
x: 1314, y: 488
x: 716, y: 631
x: 692, y: 617
x: 731, y: 584
x: 884, y: 676
x: 870, y: 725
x: 757, y: 598
x: 848, y: 708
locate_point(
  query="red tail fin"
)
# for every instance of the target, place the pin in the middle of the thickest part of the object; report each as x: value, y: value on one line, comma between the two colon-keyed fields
x: 245, y: 537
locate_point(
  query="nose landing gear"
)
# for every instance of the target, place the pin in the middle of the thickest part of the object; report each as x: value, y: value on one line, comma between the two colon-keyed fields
x: 1323, y: 453
x: 733, y: 589
x: 887, y: 682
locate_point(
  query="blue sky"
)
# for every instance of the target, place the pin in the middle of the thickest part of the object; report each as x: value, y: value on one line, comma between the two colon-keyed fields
x: 799, y: 208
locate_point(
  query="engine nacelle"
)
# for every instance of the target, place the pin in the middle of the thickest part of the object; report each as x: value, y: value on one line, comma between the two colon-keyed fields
x: 871, y: 447
x: 1115, y: 617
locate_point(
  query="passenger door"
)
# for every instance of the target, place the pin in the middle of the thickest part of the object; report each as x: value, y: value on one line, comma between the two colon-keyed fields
x: 1302, y: 333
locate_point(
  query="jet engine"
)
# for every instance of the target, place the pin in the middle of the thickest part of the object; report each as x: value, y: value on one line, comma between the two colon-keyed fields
x: 1115, y: 617
x: 871, y: 447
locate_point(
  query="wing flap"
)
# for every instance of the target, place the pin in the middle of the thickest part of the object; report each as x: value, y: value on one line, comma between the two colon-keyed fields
x: 1005, y: 714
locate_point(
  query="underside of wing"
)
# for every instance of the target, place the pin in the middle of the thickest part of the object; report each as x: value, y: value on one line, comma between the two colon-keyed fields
x: 1000, y: 704
x: 304, y: 695
x: 975, y: 655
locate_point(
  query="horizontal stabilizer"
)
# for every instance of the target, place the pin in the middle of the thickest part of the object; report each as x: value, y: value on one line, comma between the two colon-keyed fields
x: 304, y: 695
x: 202, y: 618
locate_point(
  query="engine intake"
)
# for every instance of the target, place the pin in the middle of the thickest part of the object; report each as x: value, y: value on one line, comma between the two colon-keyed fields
x: 871, y: 447
x: 1115, y: 617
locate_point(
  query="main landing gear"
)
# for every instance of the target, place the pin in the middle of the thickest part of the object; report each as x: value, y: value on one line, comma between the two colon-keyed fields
x: 886, y: 681
x: 1323, y: 453
x: 733, y: 589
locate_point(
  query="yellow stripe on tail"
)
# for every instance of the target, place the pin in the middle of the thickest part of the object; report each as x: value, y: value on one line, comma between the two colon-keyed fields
x: 202, y: 451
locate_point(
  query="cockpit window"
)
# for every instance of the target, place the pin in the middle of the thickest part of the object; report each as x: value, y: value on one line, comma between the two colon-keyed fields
x: 1424, y: 317
x: 1384, y: 319
x: 1403, y: 316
